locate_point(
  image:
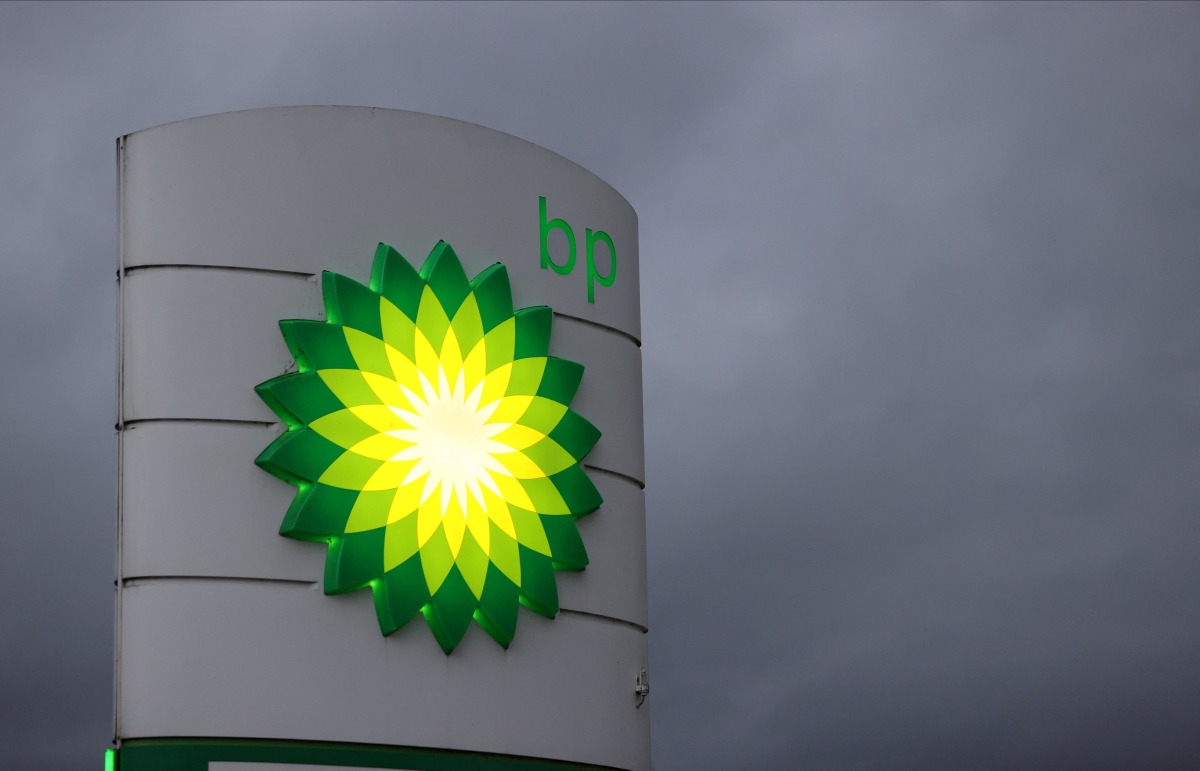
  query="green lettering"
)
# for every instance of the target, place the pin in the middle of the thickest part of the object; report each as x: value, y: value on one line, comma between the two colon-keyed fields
x: 544, y: 229
x: 594, y: 277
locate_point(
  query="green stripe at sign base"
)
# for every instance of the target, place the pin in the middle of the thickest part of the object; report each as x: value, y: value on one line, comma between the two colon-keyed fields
x: 222, y: 765
x: 197, y: 754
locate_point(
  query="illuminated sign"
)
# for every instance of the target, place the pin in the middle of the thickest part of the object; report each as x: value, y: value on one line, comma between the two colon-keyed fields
x: 431, y: 438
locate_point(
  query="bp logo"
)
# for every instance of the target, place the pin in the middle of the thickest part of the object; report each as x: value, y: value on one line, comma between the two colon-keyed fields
x: 432, y: 442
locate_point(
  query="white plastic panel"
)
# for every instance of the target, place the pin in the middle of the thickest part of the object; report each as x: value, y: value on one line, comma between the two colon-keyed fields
x: 272, y: 660
x: 196, y: 505
x: 610, y: 395
x: 197, y: 341
x: 312, y: 188
x: 614, y: 583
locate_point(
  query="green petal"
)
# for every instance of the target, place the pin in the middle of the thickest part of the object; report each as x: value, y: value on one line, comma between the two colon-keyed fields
x: 530, y: 533
x: 500, y: 342
x: 533, y: 331
x: 450, y: 611
x: 472, y: 564
x: 342, y: 427
x: 353, y: 561
x: 577, y: 490
x: 432, y: 319
x: 445, y: 276
x: 370, y: 511
x: 539, y: 591
x: 300, y: 455
x: 436, y: 560
x: 348, y: 386
x: 549, y: 456
x: 370, y: 353
x: 351, y: 304
x: 526, y: 377
x: 497, y: 612
x: 543, y: 414
x: 298, y: 397
x: 545, y: 496
x: 566, y: 547
x: 399, y: 329
x: 316, y: 344
x: 400, y: 543
x: 560, y: 380
x: 504, y: 554
x: 575, y: 434
x: 350, y: 471
x: 494, y: 295
x: 400, y: 595
x: 395, y: 279
x: 318, y: 512
x: 467, y: 324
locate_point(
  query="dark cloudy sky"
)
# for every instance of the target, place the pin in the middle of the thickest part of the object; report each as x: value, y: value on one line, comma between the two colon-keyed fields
x: 921, y: 302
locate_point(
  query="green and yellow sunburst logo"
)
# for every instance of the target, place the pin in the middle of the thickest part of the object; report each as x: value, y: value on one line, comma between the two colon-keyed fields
x: 432, y: 442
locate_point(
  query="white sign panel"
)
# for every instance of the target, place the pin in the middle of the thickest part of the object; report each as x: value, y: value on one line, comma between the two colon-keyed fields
x: 381, y: 446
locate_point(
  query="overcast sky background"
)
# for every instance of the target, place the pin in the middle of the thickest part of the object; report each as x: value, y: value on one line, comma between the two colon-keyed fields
x: 921, y: 320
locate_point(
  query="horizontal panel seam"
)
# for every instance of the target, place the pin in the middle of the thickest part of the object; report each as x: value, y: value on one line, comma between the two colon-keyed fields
x: 602, y: 617
x: 600, y: 325
x: 641, y: 485
x: 232, y: 268
x: 217, y: 421
x: 127, y: 580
